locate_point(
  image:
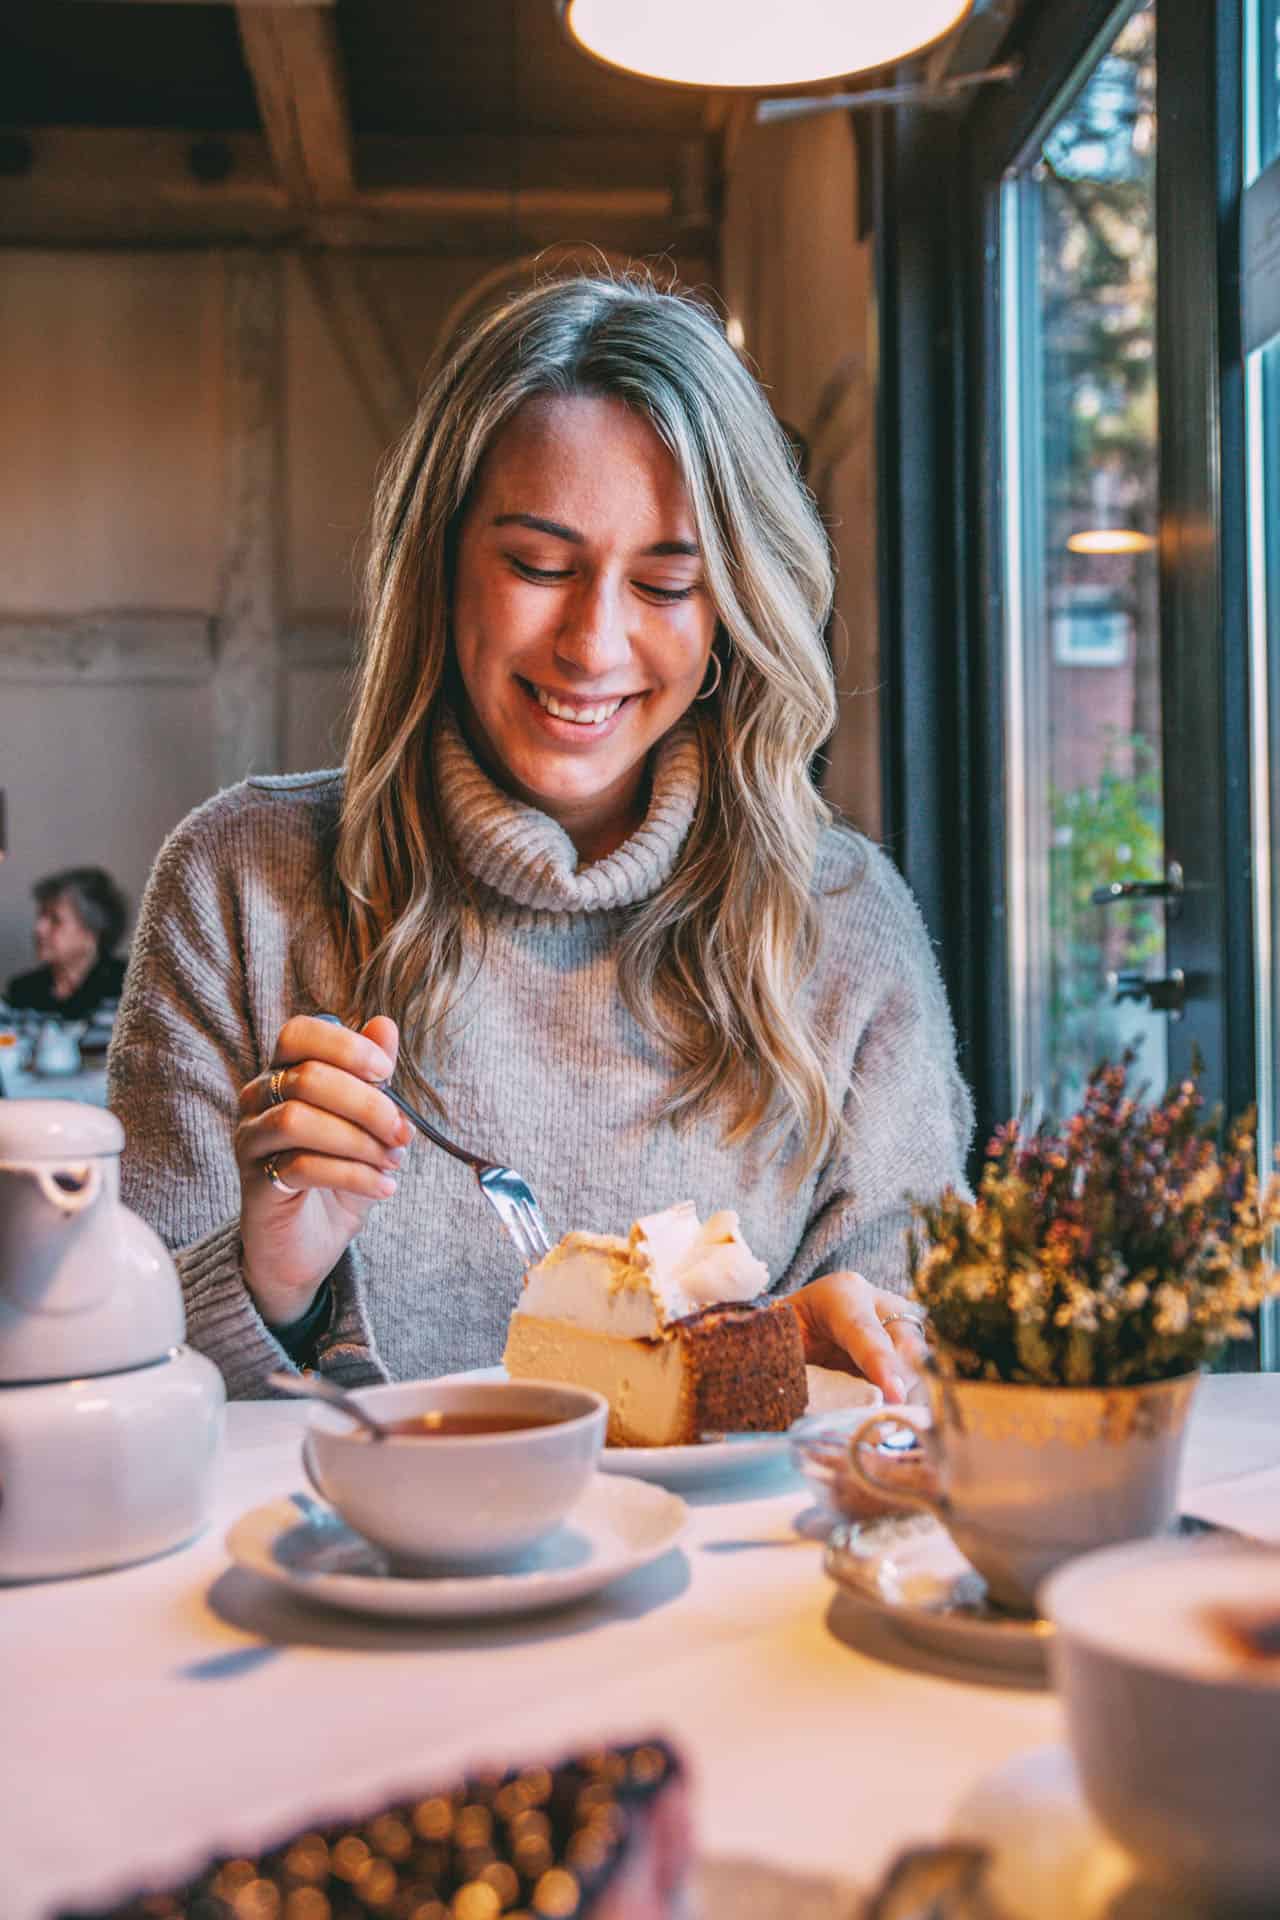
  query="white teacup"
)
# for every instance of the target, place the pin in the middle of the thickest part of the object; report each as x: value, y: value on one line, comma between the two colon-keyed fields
x: 470, y: 1499
x: 1026, y: 1478
x: 1175, y: 1732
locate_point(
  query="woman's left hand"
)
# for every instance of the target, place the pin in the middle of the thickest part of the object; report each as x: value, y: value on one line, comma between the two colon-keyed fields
x: 855, y: 1327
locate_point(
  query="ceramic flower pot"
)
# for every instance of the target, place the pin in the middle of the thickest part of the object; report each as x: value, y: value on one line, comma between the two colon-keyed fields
x: 1026, y: 1477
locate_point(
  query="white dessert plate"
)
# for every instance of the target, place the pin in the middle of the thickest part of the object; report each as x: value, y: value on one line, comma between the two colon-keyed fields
x: 829, y: 1392
x: 614, y: 1528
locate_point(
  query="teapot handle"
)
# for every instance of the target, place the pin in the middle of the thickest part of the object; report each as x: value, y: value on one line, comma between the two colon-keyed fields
x: 70, y: 1199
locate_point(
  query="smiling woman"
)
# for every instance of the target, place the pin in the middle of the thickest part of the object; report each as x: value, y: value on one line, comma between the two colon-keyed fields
x: 573, y: 885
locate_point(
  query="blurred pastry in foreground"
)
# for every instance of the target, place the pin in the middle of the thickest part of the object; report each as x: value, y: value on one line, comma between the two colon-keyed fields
x: 667, y: 1324
x: 604, y: 1836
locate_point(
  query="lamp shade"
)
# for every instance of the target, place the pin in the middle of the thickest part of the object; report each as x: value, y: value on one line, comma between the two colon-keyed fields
x: 756, y: 43
x: 1110, y: 540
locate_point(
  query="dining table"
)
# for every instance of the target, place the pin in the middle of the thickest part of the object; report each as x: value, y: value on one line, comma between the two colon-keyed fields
x: 161, y: 1713
x: 87, y: 1083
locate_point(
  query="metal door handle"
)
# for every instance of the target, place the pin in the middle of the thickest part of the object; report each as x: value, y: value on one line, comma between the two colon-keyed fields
x: 1171, y: 888
x: 1162, y: 995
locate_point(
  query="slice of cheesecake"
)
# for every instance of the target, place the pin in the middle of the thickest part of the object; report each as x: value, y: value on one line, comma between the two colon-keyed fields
x: 664, y: 1324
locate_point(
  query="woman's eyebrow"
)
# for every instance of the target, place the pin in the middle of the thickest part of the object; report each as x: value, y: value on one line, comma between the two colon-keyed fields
x: 558, y: 531
x: 539, y: 525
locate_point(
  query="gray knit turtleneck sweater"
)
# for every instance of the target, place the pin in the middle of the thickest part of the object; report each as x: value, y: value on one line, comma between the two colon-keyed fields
x: 547, y: 1072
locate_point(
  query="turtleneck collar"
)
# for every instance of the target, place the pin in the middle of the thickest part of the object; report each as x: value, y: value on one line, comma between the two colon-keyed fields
x: 525, y: 857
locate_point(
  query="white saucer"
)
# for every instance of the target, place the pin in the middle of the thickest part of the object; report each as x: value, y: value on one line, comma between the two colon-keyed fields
x: 829, y: 1392
x: 908, y: 1570
x: 615, y: 1527
x: 1051, y: 1860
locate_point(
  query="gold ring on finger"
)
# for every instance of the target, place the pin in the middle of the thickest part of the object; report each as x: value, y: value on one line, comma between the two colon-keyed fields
x: 272, y: 1172
x: 275, y: 1086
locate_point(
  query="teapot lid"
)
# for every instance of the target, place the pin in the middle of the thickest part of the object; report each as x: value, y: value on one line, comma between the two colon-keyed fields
x: 57, y: 1130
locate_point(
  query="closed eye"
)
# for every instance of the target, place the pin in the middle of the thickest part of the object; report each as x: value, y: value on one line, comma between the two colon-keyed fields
x: 526, y: 572
x: 665, y: 594
x: 552, y: 576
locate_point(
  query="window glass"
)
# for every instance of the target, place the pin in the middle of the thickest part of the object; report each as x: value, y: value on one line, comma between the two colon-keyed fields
x: 1262, y: 387
x: 1268, y: 78
x: 1081, y: 487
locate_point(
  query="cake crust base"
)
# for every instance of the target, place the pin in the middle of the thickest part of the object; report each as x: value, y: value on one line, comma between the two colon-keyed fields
x: 728, y: 1369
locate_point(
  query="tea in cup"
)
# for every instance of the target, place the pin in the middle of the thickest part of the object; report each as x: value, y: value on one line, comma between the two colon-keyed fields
x: 472, y: 1474
x: 1025, y: 1477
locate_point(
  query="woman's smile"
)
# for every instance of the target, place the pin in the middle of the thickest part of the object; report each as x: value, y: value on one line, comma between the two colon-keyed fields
x: 588, y: 717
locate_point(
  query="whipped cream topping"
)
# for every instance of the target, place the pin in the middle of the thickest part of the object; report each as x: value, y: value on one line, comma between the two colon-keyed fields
x: 669, y: 1266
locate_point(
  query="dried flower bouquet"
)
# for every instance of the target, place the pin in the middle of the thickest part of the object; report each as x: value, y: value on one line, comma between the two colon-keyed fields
x: 1123, y: 1246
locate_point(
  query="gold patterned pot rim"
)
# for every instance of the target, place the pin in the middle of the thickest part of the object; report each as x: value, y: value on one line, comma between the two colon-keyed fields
x: 938, y: 1378
x: 1034, y: 1415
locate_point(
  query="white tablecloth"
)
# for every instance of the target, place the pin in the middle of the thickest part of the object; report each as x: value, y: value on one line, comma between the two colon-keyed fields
x: 165, y: 1710
x: 89, y: 1084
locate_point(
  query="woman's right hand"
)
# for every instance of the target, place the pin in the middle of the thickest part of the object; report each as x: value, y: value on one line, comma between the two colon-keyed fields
x: 331, y: 1136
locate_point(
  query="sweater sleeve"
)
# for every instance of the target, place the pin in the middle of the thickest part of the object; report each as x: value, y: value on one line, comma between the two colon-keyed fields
x: 181, y: 1050
x: 908, y: 1116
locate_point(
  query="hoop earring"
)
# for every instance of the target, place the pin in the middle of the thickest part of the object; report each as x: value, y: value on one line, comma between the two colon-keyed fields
x: 715, y: 684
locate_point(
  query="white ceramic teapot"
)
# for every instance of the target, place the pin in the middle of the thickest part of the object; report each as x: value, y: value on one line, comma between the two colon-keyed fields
x: 109, y: 1426
x: 57, y: 1048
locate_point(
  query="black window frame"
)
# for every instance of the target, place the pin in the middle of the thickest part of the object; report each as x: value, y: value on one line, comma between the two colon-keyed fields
x: 936, y: 182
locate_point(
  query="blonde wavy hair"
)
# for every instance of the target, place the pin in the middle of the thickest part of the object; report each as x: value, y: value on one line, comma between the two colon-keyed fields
x: 710, y: 965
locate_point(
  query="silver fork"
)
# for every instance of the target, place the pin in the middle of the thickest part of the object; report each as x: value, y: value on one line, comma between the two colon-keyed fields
x: 507, y: 1192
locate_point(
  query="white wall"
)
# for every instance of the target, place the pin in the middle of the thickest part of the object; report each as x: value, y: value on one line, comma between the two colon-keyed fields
x: 110, y: 366
x: 100, y: 788
x: 110, y: 478
x: 166, y: 415
x: 116, y: 537
x: 799, y: 280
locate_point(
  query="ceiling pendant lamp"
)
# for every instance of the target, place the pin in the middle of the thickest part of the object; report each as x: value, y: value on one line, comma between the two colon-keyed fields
x: 756, y: 43
x: 1111, y: 540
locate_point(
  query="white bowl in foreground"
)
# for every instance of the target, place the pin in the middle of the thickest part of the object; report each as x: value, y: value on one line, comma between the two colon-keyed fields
x: 1175, y: 1727
x: 458, y: 1499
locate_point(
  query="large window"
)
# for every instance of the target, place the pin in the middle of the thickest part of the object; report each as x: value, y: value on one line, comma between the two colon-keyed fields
x: 1081, y: 493
x: 1262, y: 378
x: 1084, y: 653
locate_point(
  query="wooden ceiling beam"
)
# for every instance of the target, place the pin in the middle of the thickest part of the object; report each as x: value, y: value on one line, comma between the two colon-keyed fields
x: 295, y: 63
x: 205, y: 3
x: 505, y: 162
x: 145, y: 185
x: 123, y: 187
x: 361, y: 230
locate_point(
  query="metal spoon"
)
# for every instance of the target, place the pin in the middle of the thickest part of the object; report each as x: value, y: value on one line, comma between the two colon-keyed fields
x: 314, y: 1386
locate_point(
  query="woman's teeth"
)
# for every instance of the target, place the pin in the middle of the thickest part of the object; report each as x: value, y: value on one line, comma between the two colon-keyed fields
x: 581, y: 716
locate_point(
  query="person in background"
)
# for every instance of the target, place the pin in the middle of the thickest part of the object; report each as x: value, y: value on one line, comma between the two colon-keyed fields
x: 80, y: 916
